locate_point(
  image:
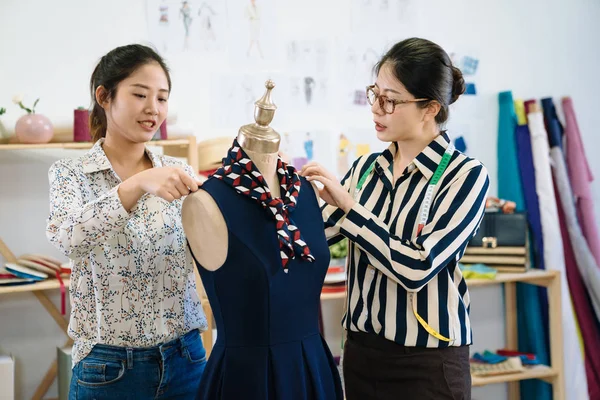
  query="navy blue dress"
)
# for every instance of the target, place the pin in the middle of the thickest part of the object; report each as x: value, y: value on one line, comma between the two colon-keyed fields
x: 268, y: 342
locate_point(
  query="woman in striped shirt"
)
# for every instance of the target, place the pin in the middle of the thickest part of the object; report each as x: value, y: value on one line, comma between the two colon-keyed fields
x: 408, y: 213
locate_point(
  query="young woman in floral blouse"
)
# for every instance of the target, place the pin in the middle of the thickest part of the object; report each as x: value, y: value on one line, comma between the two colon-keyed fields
x: 116, y: 213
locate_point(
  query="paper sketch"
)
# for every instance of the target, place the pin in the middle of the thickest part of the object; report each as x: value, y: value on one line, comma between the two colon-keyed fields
x: 187, y: 26
x: 185, y: 12
x: 253, y: 16
x: 252, y: 32
x: 163, y: 26
x: 309, y: 145
x: 343, y: 153
x: 304, y: 93
x: 356, y: 70
x: 234, y: 100
x: 377, y: 16
x: 309, y: 57
x: 353, y: 143
x: 206, y: 14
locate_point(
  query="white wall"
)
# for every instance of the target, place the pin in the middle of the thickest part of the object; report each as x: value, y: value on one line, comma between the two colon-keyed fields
x: 48, y: 50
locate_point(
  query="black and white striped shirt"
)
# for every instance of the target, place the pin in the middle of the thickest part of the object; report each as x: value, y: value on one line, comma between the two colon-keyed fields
x: 387, y: 261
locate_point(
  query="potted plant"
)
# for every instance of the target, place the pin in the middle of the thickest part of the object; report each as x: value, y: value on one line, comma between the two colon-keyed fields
x: 3, y: 131
x: 32, y: 127
x: 339, y: 252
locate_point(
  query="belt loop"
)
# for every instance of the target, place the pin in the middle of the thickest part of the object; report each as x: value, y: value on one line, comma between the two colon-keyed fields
x: 129, y: 358
x: 182, y: 345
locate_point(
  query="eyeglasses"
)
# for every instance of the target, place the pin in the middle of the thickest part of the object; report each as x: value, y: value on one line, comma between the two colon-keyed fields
x: 385, y: 103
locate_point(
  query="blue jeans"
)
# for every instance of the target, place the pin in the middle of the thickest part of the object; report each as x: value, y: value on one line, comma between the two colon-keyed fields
x: 170, y: 371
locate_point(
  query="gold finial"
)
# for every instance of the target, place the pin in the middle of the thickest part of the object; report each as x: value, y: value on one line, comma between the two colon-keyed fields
x: 259, y: 136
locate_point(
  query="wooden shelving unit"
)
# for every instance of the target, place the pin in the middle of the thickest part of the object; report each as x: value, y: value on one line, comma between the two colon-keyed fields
x: 538, y: 372
x: 552, y: 374
x: 49, y: 284
x: 186, y: 147
x: 178, y: 147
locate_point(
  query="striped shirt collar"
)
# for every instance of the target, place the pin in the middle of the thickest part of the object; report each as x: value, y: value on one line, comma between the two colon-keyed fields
x: 426, y: 161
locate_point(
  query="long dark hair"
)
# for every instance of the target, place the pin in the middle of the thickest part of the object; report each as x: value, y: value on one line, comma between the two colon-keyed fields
x: 426, y: 71
x: 114, y: 67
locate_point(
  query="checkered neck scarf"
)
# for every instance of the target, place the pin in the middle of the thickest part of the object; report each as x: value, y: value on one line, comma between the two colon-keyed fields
x: 241, y: 173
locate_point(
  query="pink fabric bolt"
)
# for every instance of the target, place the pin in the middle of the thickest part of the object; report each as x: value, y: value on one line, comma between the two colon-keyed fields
x: 581, y: 179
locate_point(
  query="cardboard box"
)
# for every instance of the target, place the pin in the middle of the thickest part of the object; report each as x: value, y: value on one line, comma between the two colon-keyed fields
x: 7, y: 377
x: 63, y: 358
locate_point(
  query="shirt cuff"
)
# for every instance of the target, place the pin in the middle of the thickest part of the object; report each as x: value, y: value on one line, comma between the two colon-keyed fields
x: 356, y: 219
x: 113, y: 208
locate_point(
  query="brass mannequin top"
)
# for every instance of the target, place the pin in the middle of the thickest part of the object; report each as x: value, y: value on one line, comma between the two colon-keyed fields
x: 259, y: 137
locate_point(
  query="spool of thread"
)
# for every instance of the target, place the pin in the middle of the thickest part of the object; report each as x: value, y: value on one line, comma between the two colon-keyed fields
x: 161, y: 133
x: 163, y: 130
x: 81, y: 125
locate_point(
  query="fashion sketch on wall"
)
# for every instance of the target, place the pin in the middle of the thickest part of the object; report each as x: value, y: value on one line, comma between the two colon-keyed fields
x: 390, y: 15
x: 185, y: 12
x: 194, y: 26
x: 252, y: 32
x: 235, y: 95
x: 206, y: 15
x: 253, y: 15
x: 306, y: 145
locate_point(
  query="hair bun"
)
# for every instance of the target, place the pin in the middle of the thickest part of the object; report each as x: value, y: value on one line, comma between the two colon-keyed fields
x: 458, y: 84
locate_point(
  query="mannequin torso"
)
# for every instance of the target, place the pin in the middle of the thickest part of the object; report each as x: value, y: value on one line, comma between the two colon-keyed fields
x: 204, y: 224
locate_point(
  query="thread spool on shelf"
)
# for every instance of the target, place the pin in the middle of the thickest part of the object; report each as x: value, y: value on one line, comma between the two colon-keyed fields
x: 81, y: 125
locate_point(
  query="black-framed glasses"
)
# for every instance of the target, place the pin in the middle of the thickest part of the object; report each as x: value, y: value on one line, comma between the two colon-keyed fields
x: 385, y: 103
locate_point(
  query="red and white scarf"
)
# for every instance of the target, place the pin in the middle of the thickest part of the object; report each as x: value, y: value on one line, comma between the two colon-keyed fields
x: 240, y: 172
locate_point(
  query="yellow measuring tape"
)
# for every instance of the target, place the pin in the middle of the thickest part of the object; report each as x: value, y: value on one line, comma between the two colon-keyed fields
x: 424, y: 323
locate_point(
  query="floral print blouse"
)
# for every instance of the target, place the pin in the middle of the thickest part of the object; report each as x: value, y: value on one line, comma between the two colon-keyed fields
x: 132, y: 281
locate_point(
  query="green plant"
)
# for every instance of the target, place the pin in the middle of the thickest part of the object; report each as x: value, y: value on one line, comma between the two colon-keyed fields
x: 2, y: 110
x: 19, y: 101
x: 340, y: 249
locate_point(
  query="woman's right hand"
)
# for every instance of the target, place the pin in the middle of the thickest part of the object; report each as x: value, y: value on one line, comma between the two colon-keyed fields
x: 169, y: 183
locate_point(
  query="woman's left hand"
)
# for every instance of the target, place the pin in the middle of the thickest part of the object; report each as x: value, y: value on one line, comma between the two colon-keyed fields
x: 333, y: 193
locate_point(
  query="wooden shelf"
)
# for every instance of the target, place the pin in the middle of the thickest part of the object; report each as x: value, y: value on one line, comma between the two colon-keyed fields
x: 537, y: 277
x: 333, y: 296
x: 533, y: 276
x: 43, y: 285
x: 85, y: 145
x: 536, y: 372
x: 178, y: 146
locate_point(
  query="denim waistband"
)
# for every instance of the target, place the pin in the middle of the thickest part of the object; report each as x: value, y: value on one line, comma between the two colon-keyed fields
x: 109, y: 352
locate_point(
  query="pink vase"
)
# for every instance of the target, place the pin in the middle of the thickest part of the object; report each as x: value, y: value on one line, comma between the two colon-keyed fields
x: 34, y: 128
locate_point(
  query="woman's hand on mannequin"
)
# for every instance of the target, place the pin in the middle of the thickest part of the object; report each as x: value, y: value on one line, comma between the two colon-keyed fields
x: 333, y: 193
x: 169, y: 183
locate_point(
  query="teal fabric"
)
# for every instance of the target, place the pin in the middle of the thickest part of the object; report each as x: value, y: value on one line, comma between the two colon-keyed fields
x: 509, y: 179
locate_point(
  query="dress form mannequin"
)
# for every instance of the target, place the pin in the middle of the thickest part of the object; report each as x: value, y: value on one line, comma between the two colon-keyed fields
x: 203, y: 222
x: 256, y: 232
